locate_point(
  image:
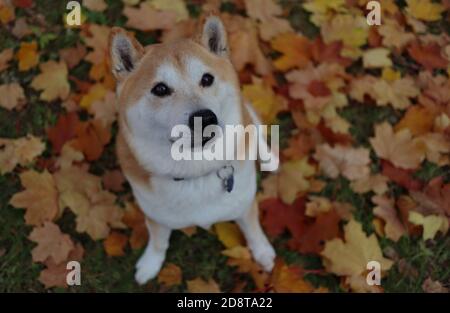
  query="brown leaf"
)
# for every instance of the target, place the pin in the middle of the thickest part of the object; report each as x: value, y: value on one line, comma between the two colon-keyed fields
x: 51, y: 243
x: 63, y: 131
x: 170, y: 275
x: 113, y: 180
x: 199, y: 285
x: 12, y: 96
x: 91, y: 139
x: 429, y: 56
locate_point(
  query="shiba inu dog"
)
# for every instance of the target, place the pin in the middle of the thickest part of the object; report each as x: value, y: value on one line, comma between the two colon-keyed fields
x: 164, y: 86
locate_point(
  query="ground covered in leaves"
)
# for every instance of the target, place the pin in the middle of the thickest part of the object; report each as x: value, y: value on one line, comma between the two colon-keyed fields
x: 364, y: 115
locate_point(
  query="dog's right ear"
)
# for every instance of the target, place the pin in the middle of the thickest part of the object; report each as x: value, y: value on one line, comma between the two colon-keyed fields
x: 125, y: 52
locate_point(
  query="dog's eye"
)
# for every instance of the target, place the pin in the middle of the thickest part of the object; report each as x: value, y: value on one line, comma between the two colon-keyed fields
x: 207, y: 80
x: 161, y: 90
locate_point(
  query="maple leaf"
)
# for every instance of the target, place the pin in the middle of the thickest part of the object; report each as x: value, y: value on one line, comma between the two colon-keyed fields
x: 27, y: 55
x: 419, y: 120
x: 399, y: 148
x: 115, y: 244
x: 296, y: 51
x: 103, y: 109
x: 12, y: 96
x: 352, y: 30
x: 377, y: 57
x: 352, y: 163
x: 400, y: 176
x: 396, y: 93
x: 324, y: 227
x: 424, y: 10
x: 97, y: 39
x: 51, y: 243
x: 39, y: 198
x: 94, y: 207
x: 265, y: 101
x: 63, y: 131
x: 52, y: 80
x: 73, y: 55
x: 170, y: 275
x: 278, y: 216
x: 69, y: 155
x: 293, y: 179
x: 321, y: 9
x: 244, y: 44
x: 229, y: 234
x: 5, y: 57
x: 350, y: 258
x: 55, y: 275
x: 289, y: 279
x: 20, y: 151
x: 394, y: 34
x: 376, y: 183
x: 147, y: 18
x: 432, y: 224
x: 135, y: 219
x: 266, y: 12
x: 91, y: 138
x: 199, y: 285
x: 176, y: 6
x: 385, y: 209
x: 429, y: 56
x: 331, y: 52
x: 435, y: 198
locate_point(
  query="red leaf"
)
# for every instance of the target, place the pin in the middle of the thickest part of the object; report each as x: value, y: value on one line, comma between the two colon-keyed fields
x: 318, y: 89
x: 400, y: 176
x: 322, y: 52
x: 429, y: 56
x: 63, y: 131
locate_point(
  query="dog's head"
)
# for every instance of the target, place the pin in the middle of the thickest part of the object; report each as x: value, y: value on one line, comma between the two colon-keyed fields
x: 174, y: 84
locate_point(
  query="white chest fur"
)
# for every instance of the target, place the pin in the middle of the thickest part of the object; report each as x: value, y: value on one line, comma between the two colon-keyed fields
x: 199, y: 201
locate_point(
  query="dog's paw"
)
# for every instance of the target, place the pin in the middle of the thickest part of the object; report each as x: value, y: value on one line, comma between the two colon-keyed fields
x: 265, y: 256
x: 148, y: 267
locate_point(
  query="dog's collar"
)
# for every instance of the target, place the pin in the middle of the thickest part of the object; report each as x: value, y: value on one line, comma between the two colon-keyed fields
x: 225, y: 174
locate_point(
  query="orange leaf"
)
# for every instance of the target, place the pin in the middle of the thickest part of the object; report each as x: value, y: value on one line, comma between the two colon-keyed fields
x: 419, y: 120
x: 170, y: 275
x: 27, y: 55
x: 135, y: 219
x: 92, y: 136
x: 296, y: 51
x: 63, y: 131
x: 115, y: 243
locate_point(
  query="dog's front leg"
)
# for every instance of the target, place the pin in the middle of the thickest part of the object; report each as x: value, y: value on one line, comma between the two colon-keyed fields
x: 150, y: 262
x: 257, y: 241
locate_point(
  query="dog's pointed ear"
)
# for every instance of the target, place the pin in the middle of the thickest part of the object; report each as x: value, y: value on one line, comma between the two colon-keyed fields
x: 125, y: 52
x: 213, y: 36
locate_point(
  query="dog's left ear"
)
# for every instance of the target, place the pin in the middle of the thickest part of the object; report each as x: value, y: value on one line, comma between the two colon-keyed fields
x: 214, y: 36
x: 125, y: 52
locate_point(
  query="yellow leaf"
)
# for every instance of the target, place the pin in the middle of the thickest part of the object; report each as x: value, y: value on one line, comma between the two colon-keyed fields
x: 350, y: 258
x: 238, y: 252
x: 266, y: 103
x: 27, y: 55
x: 293, y: 179
x: 317, y: 206
x: 431, y: 224
x: 390, y: 75
x: 229, y: 234
x: 377, y: 57
x: 53, y: 81
x: 96, y: 93
x: 425, y: 10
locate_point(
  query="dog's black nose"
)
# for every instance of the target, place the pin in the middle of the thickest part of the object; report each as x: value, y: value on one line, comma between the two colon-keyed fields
x: 207, y: 117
